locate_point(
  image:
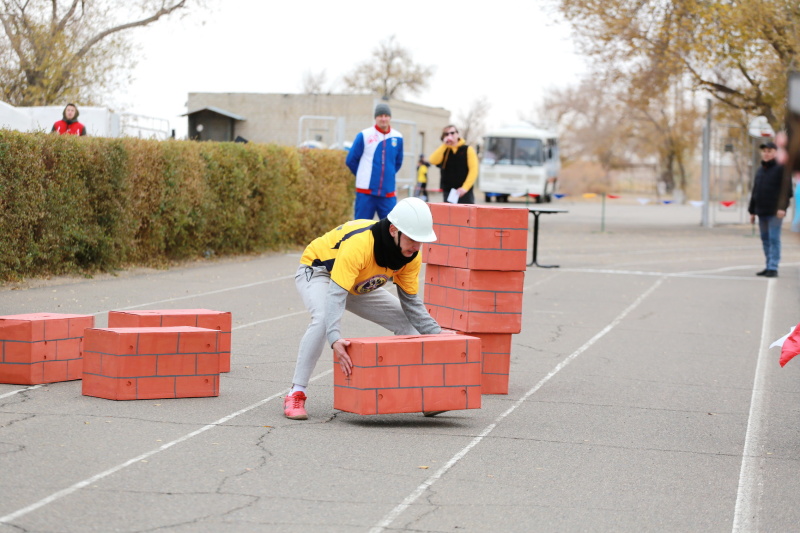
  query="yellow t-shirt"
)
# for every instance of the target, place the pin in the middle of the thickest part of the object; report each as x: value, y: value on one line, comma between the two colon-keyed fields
x: 422, y: 174
x: 347, y: 253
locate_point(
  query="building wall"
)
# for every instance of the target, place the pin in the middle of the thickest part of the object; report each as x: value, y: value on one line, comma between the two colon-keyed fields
x: 275, y: 118
x: 215, y: 127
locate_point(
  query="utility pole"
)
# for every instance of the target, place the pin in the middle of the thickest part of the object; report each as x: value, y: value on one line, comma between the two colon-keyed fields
x: 705, y: 176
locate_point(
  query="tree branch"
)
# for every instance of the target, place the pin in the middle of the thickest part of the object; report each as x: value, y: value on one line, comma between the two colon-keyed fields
x: 103, y: 34
x: 59, y: 27
x: 13, y: 36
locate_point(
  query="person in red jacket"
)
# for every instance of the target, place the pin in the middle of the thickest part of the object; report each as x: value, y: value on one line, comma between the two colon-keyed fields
x: 69, y: 124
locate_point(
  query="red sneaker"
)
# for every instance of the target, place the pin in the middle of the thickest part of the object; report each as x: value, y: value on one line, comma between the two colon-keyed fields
x: 294, y: 406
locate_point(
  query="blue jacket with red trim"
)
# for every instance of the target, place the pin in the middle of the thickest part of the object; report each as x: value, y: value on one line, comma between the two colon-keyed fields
x: 374, y: 159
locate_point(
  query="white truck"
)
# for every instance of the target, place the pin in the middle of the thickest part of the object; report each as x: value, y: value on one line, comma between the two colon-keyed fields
x: 519, y: 160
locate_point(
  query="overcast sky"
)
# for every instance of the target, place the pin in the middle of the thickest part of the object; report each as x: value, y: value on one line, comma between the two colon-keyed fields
x: 508, y: 51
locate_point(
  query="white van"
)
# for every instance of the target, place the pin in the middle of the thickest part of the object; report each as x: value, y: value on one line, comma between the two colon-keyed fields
x: 519, y: 161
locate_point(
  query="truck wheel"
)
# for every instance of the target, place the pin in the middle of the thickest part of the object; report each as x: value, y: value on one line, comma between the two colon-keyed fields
x: 487, y: 198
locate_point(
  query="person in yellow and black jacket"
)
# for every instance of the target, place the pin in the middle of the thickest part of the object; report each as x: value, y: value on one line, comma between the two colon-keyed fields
x: 458, y: 163
x: 347, y: 268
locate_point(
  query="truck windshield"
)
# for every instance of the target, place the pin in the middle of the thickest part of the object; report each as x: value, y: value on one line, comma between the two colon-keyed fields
x: 511, y: 151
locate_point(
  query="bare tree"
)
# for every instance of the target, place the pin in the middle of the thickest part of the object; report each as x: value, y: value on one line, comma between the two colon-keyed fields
x: 390, y: 73
x: 592, y: 123
x: 667, y: 125
x: 52, y: 51
x: 473, y: 121
x: 314, y: 82
x: 616, y: 125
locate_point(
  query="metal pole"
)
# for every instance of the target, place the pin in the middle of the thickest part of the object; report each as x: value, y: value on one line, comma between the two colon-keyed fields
x: 705, y: 177
x: 603, y: 215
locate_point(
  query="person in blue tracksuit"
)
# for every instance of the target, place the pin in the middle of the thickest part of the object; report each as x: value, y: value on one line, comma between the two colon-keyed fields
x: 375, y: 158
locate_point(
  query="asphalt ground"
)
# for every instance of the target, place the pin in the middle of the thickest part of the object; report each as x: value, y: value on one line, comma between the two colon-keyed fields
x: 643, y: 397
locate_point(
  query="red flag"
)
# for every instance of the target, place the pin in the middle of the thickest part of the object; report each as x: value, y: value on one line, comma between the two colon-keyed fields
x: 613, y: 196
x: 791, y: 346
x: 728, y: 203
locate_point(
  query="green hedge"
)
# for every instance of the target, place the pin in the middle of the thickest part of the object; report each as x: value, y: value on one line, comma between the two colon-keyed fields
x: 82, y: 205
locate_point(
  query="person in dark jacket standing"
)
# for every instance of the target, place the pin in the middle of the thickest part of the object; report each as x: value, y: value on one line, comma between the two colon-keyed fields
x: 769, y: 202
x: 69, y: 125
x: 458, y: 163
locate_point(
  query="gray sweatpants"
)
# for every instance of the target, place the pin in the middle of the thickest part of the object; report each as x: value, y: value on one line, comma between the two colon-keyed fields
x: 378, y: 306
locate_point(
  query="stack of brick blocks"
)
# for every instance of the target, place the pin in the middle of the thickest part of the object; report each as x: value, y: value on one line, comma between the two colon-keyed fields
x: 410, y: 374
x: 42, y: 347
x: 151, y: 362
x: 200, y: 318
x: 474, y: 279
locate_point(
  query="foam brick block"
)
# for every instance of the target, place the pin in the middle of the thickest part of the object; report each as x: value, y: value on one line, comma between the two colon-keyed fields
x: 495, y: 361
x: 475, y: 301
x: 478, y: 237
x: 410, y: 374
x: 151, y: 362
x: 200, y: 318
x: 42, y: 347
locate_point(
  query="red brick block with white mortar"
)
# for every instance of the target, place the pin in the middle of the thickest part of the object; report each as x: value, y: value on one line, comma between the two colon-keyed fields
x: 474, y: 280
x: 478, y: 237
x: 474, y: 301
x: 199, y: 318
x: 495, y: 361
x: 40, y: 348
x: 151, y: 362
x: 410, y: 374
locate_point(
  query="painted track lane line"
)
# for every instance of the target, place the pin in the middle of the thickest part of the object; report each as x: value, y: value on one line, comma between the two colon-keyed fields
x: 13, y: 392
x: 97, y: 477
x: 257, y: 322
x: 748, y: 496
x: 420, y: 490
x: 86, y: 482
x: 199, y: 294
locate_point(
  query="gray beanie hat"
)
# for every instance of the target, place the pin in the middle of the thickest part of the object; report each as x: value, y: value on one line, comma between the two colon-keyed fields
x: 383, y: 109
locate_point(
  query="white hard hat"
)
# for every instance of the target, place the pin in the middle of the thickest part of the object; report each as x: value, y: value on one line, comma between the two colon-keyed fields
x: 413, y: 217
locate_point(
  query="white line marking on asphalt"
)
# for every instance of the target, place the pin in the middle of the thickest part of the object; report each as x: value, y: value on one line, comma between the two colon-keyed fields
x: 86, y: 482
x: 697, y: 274
x: 13, y: 392
x: 724, y: 269
x: 197, y: 295
x: 748, y: 496
x: 614, y: 271
x: 257, y: 322
x: 542, y: 281
x: 411, y: 498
